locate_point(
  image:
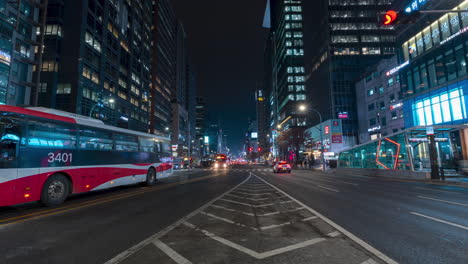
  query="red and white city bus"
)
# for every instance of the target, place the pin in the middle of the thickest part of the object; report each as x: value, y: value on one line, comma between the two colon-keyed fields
x: 47, y: 155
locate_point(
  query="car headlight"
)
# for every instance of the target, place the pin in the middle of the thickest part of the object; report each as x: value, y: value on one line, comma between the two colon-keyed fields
x: 216, y: 165
x: 225, y: 165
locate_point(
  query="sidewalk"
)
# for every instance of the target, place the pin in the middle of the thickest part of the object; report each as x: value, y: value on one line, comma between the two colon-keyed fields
x: 451, y: 181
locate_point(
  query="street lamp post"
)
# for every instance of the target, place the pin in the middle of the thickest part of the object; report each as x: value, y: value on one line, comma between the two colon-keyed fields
x: 99, y: 103
x: 303, y: 108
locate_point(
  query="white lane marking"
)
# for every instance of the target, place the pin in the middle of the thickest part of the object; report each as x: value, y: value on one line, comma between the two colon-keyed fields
x: 359, y: 241
x: 330, y: 189
x: 171, y: 253
x: 125, y: 254
x: 288, y: 223
x: 253, y: 205
x: 309, y: 218
x: 443, y: 201
x: 255, y: 189
x: 333, y: 234
x: 274, y: 226
x: 436, y: 190
x: 251, y: 252
x: 252, y: 199
x: 254, y: 193
x: 369, y: 261
x: 227, y: 220
x: 440, y: 220
x: 224, y: 208
x: 334, y: 181
x: 231, y: 201
x: 278, y: 212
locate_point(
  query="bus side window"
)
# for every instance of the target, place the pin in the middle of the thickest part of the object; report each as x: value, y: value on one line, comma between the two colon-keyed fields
x: 146, y: 144
x: 125, y: 142
x: 10, y: 134
x: 91, y: 138
x: 44, y: 134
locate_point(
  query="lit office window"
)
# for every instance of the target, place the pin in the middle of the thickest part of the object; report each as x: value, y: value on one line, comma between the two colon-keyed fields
x: 442, y: 108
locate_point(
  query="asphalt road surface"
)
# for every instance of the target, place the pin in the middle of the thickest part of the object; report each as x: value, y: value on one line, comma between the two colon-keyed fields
x: 245, y: 214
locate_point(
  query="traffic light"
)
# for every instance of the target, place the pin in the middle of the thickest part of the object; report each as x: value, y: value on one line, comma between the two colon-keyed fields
x: 393, y: 17
x: 390, y: 18
x: 250, y: 149
x: 259, y: 149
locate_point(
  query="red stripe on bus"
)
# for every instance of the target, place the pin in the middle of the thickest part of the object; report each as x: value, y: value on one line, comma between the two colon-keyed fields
x: 20, y: 110
x: 28, y: 189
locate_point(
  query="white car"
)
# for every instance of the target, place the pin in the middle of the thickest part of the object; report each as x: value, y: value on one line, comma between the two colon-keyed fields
x: 282, y: 166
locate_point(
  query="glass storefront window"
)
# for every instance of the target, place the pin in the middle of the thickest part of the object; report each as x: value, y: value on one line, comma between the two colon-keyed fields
x: 445, y: 27
x: 409, y: 79
x: 432, y: 73
x: 450, y: 65
x: 435, y: 33
x: 424, y: 79
x: 461, y: 60
x: 412, y: 49
x: 416, y: 79
x: 419, y: 43
x: 405, y: 51
x: 427, y: 38
x: 464, y: 15
x: 444, y: 107
x: 454, y: 22
x: 440, y: 70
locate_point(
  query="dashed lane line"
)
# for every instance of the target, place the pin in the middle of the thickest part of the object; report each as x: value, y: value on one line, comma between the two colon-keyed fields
x: 359, y: 241
x: 125, y: 254
x: 440, y: 220
x: 443, y: 201
x: 171, y: 253
x: 435, y: 190
x: 330, y: 189
x: 252, y: 199
x: 334, y: 181
x: 227, y: 220
x: 252, y: 205
x: 254, y: 194
x: 251, y: 252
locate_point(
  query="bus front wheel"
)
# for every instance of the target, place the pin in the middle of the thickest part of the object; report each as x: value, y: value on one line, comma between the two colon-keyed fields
x: 56, y: 190
x: 151, y: 177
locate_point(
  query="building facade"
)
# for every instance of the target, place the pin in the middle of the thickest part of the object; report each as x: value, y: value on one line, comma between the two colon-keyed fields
x: 19, y: 22
x: 97, y: 60
x: 286, y: 48
x: 350, y: 41
x: 378, y: 99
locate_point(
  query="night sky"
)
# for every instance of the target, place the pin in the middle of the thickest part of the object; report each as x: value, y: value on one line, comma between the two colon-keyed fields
x: 226, y: 43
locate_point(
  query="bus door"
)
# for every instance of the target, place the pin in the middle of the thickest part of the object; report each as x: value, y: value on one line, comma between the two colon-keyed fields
x: 9, y: 146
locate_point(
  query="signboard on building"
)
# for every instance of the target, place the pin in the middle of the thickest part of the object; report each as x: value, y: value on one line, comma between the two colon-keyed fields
x: 207, y: 140
x: 254, y: 135
x: 343, y: 115
x: 5, y: 58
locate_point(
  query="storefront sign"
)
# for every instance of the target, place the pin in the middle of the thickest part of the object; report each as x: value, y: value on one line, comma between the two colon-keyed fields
x: 327, y: 130
x: 337, y: 139
x: 415, y: 5
x: 395, y: 106
x: 398, y: 68
x: 343, y: 115
x: 373, y: 129
x: 430, y: 131
x: 463, y: 30
x: 425, y: 139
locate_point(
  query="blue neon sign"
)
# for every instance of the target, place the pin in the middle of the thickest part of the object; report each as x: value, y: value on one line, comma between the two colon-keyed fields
x: 415, y: 5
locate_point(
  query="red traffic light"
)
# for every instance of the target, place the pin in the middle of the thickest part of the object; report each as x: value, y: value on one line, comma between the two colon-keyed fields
x: 259, y: 149
x: 390, y: 17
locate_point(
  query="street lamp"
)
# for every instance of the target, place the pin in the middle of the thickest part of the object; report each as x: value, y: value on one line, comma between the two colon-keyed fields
x: 100, y: 103
x: 304, y: 108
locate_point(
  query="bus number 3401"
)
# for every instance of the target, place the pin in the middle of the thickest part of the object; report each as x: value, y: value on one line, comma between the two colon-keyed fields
x: 60, y: 157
